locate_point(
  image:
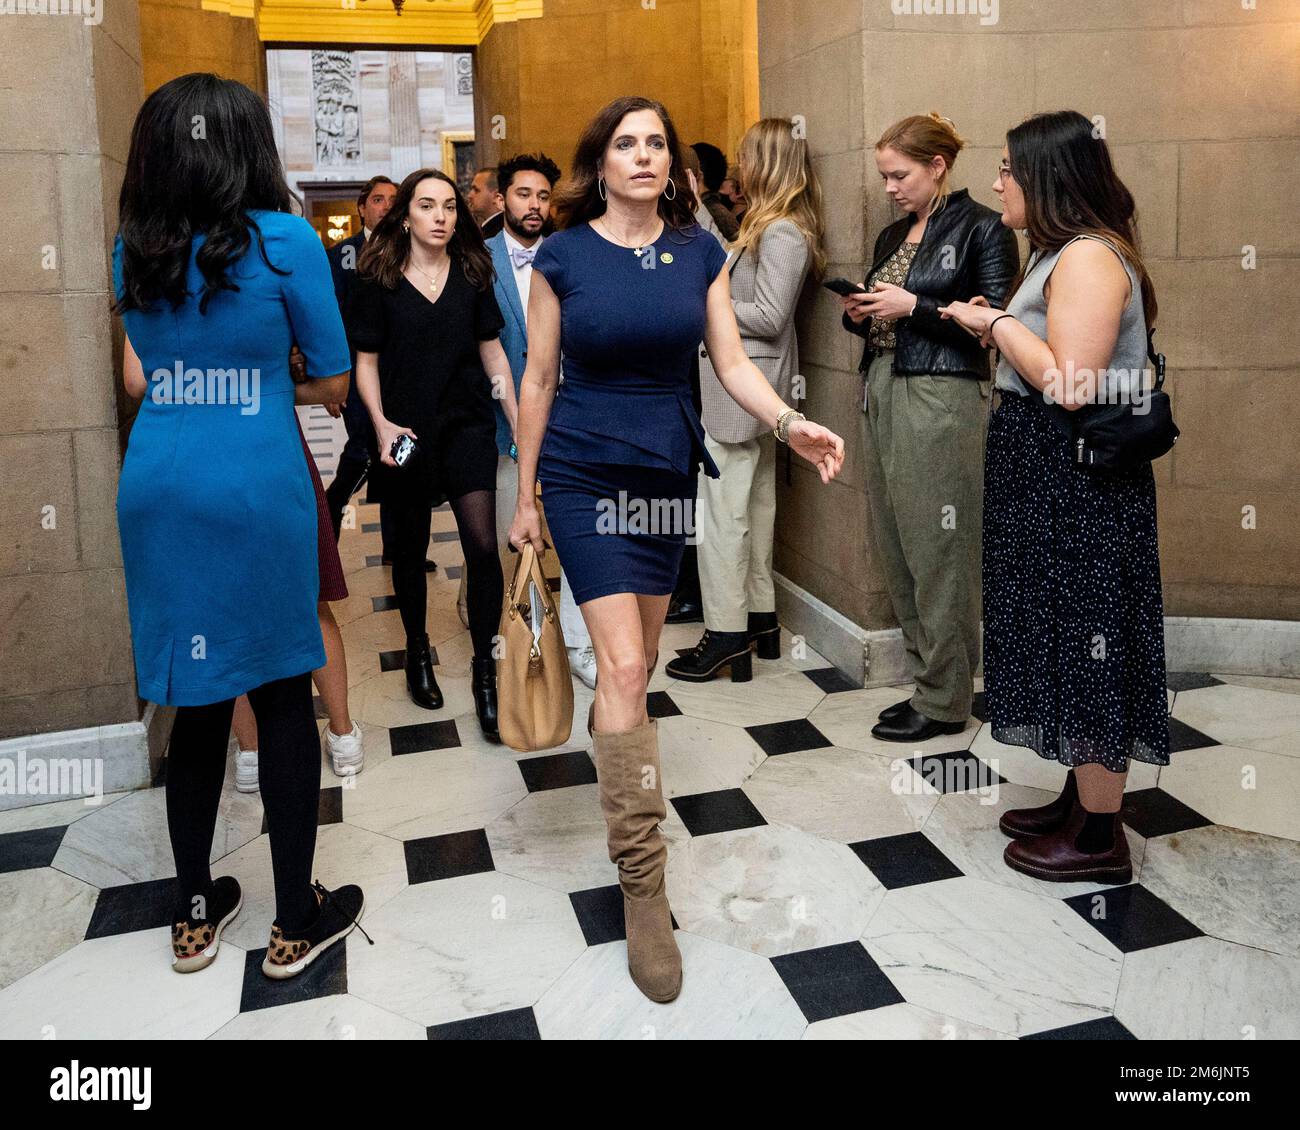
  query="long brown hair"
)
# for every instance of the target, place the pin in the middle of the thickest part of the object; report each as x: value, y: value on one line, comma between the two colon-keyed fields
x: 388, y: 247
x: 577, y: 198
x: 780, y: 184
x: 1071, y: 188
x: 923, y: 137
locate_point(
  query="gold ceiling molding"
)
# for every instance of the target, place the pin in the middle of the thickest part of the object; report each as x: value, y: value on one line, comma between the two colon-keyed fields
x: 424, y: 22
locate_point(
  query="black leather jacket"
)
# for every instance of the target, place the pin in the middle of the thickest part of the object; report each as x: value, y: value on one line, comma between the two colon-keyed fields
x: 983, y: 260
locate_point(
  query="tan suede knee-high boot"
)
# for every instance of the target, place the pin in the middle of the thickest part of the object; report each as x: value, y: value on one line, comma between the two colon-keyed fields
x: 627, y: 768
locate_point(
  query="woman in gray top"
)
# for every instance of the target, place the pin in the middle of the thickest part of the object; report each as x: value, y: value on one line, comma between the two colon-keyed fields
x: 1074, y: 664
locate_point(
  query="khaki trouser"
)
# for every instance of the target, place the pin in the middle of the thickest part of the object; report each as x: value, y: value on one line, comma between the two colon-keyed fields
x: 923, y: 440
x: 735, y: 515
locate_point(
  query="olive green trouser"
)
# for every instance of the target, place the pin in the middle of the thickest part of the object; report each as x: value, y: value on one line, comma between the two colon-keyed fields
x: 923, y: 441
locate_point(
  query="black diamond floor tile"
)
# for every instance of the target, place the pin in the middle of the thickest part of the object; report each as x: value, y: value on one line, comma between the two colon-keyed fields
x: 1182, y: 736
x: 905, y: 861
x: 424, y: 736
x: 446, y: 857
x: 327, y: 976
x: 835, y: 981
x: 329, y: 808
x: 788, y: 737
x: 454, y: 571
x: 396, y: 660
x: 1191, y: 680
x: 517, y: 1024
x: 1132, y: 918
x: 599, y: 911
x: 978, y: 708
x: 444, y: 535
x: 1103, y: 1028
x: 956, y: 772
x: 1153, y: 812
x: 370, y: 527
x: 383, y: 603
x: 557, y: 771
x: 132, y: 907
x: 725, y: 810
x: 831, y: 680
x: 36, y: 847
x: 658, y: 704
x: 373, y: 559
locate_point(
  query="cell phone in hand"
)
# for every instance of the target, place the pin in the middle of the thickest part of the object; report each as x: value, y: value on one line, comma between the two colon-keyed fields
x: 402, y: 450
x: 843, y: 287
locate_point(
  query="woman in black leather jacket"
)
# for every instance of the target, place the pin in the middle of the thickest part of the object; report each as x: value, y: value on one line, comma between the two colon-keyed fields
x: 925, y: 410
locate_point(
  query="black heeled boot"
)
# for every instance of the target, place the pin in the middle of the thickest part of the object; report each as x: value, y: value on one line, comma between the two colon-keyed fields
x: 715, y: 651
x: 484, y: 685
x: 419, y: 674
x: 765, y: 632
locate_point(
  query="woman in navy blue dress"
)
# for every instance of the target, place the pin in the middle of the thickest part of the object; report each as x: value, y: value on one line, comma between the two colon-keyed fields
x: 215, y: 281
x: 627, y: 289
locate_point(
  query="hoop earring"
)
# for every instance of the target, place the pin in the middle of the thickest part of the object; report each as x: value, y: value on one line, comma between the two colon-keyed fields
x: 600, y: 187
x: 673, y: 185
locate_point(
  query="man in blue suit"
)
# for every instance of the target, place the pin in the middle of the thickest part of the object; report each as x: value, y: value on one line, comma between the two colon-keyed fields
x: 525, y: 183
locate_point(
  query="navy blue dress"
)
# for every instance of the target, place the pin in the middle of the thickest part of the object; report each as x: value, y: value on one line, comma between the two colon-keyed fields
x: 618, y: 463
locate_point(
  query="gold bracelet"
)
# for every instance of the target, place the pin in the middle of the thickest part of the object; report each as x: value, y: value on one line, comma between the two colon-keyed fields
x: 782, y: 429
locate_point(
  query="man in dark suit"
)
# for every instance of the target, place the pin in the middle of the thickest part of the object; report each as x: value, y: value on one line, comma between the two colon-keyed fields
x: 486, y: 204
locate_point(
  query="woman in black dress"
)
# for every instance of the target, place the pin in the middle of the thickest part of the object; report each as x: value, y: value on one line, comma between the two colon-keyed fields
x: 425, y: 323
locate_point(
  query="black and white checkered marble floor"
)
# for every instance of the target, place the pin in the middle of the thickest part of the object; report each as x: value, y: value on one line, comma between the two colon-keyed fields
x: 825, y: 885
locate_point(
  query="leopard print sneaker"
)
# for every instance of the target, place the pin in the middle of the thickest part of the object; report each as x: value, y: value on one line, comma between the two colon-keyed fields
x: 195, y: 940
x: 337, y: 912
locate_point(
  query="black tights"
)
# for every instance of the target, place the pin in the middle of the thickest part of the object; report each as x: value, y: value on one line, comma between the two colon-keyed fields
x: 484, y: 586
x: 288, y: 772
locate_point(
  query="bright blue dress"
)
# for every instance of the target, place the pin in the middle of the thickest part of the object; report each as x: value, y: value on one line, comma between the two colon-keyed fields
x: 619, y: 461
x: 215, y: 505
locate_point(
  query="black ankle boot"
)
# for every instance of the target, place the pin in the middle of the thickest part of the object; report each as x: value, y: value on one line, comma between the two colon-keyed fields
x: 419, y: 674
x: 766, y: 633
x: 715, y: 651
x: 484, y: 685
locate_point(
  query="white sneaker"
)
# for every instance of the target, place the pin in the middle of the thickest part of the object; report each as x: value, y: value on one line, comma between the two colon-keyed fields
x: 245, y: 770
x: 346, y: 754
x: 582, y: 662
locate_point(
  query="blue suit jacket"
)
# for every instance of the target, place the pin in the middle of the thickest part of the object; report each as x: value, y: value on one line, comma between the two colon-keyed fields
x: 514, y: 337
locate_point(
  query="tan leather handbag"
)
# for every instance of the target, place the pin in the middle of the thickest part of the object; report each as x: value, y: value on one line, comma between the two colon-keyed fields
x: 534, y: 689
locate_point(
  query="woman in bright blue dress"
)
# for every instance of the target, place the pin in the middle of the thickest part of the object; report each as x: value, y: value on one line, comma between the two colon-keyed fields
x: 215, y: 281
x: 627, y: 290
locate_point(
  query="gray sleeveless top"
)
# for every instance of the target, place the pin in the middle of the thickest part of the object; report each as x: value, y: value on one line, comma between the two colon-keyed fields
x: 1128, y: 373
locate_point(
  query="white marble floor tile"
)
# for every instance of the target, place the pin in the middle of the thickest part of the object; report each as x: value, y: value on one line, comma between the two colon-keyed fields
x: 966, y: 830
x: 1208, y: 989
x: 339, y: 1017
x: 45, y: 913
x: 726, y: 995
x: 344, y: 854
x: 1235, y: 885
x: 1263, y: 683
x: 1022, y: 766
x: 700, y: 756
x: 900, y: 1022
x: 123, y: 987
x: 433, y: 793
x: 385, y: 701
x: 771, y: 890
x: 1244, y: 716
x: 1214, y: 781
x: 994, y: 956
x: 846, y: 719
x: 128, y: 842
x: 764, y: 699
x: 52, y: 815
x: 463, y: 947
x: 841, y: 794
x: 556, y: 839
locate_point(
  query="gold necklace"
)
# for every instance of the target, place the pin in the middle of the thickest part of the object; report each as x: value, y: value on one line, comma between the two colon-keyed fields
x: 433, y: 282
x: 637, y: 251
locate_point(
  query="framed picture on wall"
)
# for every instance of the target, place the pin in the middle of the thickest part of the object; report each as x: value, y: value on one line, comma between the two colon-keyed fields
x: 458, y: 157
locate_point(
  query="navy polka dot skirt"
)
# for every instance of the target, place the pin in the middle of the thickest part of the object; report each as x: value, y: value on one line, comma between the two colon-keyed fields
x: 1074, y: 652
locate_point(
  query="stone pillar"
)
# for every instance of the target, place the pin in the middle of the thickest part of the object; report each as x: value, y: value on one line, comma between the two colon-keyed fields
x: 67, y: 685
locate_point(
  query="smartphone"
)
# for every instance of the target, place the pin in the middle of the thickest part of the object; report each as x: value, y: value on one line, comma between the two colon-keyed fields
x: 402, y: 450
x: 843, y: 287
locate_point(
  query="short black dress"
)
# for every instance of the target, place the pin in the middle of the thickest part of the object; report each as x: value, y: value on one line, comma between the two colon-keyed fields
x: 432, y: 381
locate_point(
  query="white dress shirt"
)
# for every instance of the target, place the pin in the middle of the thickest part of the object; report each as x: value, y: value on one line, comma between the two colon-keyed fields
x: 524, y: 274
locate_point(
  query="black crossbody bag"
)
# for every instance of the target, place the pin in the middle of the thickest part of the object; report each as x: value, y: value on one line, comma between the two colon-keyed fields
x: 1112, y: 438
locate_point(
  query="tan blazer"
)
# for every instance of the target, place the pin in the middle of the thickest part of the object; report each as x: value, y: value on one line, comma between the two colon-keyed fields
x: 764, y: 291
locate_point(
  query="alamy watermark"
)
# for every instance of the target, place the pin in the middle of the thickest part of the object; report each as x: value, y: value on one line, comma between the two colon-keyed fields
x: 1112, y: 386
x: 986, y: 10
x: 626, y: 515
x: 90, y: 11
x: 52, y: 777
x: 179, y: 385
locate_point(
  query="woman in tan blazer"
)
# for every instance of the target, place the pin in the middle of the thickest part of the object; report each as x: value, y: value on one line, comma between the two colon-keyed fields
x: 780, y: 243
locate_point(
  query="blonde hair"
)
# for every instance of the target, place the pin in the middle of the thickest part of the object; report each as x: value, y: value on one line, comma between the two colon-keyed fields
x: 779, y: 184
x: 923, y: 137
